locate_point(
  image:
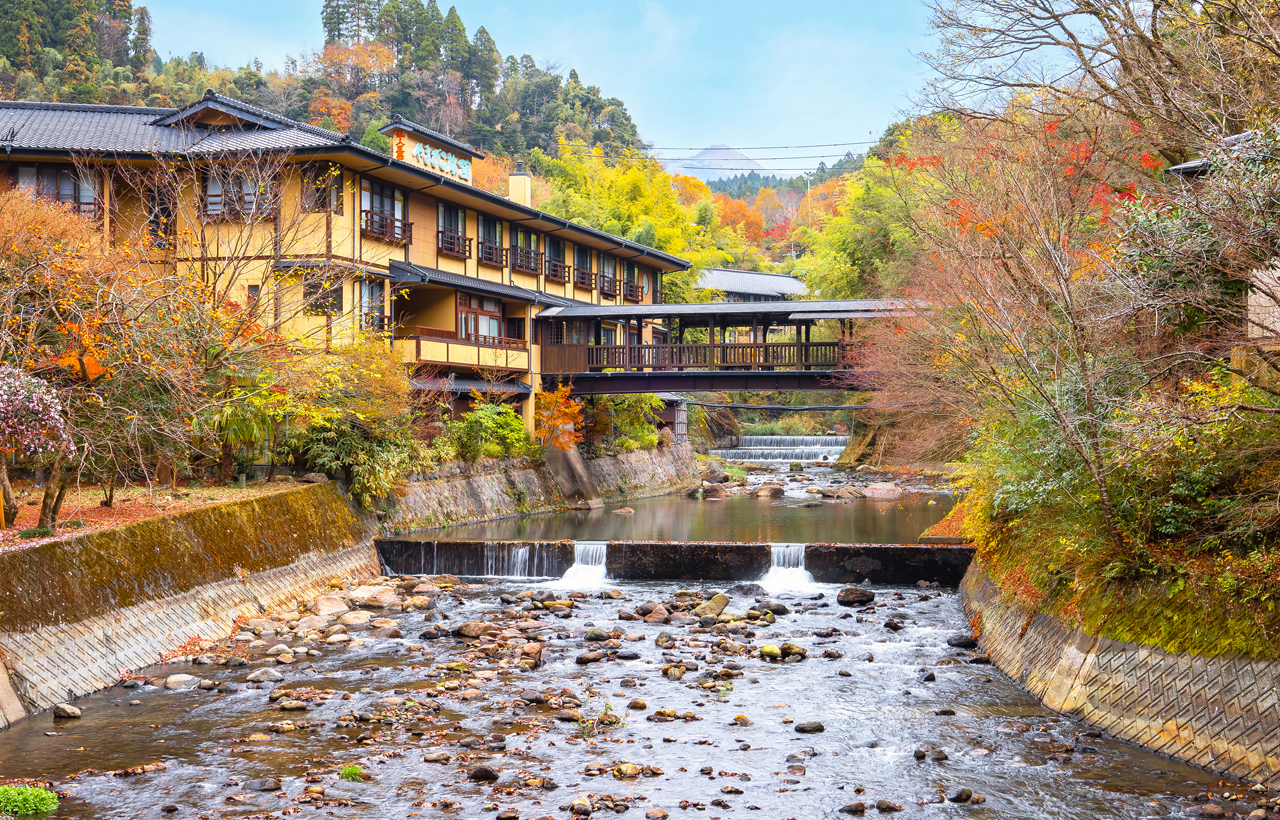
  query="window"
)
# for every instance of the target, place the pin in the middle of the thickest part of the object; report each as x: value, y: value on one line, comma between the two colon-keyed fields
x: 581, y: 257
x: 453, y: 239
x: 524, y: 251
x: 79, y: 190
x: 452, y: 219
x: 237, y: 196
x: 322, y: 297
x: 490, y: 230
x: 479, y: 316
x: 555, y: 249
x: 254, y: 292
x: 608, y: 275
x: 160, y: 218
x: 515, y: 328
x: 322, y: 188
x: 609, y: 336
x: 383, y: 211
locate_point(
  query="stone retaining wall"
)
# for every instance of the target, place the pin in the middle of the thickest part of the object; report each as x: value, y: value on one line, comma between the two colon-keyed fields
x: 493, y: 489
x: 1219, y: 713
x: 79, y: 611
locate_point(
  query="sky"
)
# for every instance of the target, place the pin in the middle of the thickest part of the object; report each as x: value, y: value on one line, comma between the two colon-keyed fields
x: 693, y: 73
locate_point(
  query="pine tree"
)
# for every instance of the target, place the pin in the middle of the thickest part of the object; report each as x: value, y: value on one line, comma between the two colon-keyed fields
x: 454, y: 48
x: 19, y: 39
x: 396, y: 27
x: 141, y: 45
x: 362, y: 20
x: 122, y: 10
x: 79, y: 45
x: 484, y: 63
x: 430, y: 28
x: 333, y: 16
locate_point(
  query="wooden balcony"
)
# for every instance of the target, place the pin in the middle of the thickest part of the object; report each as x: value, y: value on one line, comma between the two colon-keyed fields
x: 557, y: 271
x: 632, y: 292
x: 528, y: 261
x: 454, y: 244
x: 608, y: 284
x: 567, y: 359
x: 584, y: 278
x: 492, y: 255
x: 386, y: 228
x: 445, y: 347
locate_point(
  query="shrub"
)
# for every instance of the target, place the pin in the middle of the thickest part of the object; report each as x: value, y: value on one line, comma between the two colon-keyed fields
x: 36, y: 532
x: 21, y: 800
x: 352, y: 772
x: 489, y: 430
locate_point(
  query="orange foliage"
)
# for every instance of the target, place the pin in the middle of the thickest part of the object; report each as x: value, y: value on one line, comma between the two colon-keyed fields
x: 737, y: 214
x: 823, y: 199
x: 324, y: 104
x: 492, y: 174
x: 557, y: 418
x: 357, y: 65
x: 690, y: 190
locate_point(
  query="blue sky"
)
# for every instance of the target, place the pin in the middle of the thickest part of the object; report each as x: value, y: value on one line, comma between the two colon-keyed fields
x: 692, y: 73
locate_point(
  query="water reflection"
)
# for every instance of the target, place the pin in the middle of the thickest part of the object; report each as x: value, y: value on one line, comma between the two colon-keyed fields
x: 743, y: 518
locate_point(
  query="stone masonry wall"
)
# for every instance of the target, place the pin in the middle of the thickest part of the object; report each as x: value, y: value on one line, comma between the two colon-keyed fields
x: 79, y: 611
x: 1219, y: 713
x: 494, y: 489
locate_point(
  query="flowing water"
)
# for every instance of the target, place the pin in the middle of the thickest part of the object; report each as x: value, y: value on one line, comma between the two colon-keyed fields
x: 868, y: 693
x: 786, y: 570
x: 588, y: 570
x: 785, y: 449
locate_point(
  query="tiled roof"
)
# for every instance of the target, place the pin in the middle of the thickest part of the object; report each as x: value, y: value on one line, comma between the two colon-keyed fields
x: 406, y: 274
x: 421, y: 130
x: 751, y: 282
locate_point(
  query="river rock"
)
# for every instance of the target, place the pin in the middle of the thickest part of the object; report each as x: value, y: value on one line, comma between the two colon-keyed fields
x: 656, y: 814
x: 338, y: 638
x: 355, y: 619
x: 66, y: 710
x: 714, y: 473
x: 482, y: 773
x: 772, y: 606
x: 292, y: 706
x: 770, y: 652
x: 590, y: 657
x: 962, y: 642
x: 789, y: 650
x: 713, y: 491
x: 265, y: 676
x: 658, y: 615
x: 855, y: 596
x: 436, y: 757
x: 329, y: 605
x: 810, y: 727
x: 278, y: 649
x: 770, y: 491
x: 882, y: 490
x: 474, y: 629
x: 887, y: 806
x: 386, y: 632
x: 1205, y: 811
x: 180, y: 681
x: 311, y: 623
x: 854, y: 808
x: 746, y: 589
x: 850, y: 492
x: 664, y: 640
x: 962, y: 796
x: 624, y: 511
x: 374, y: 596
x: 595, y: 635
x: 714, y: 606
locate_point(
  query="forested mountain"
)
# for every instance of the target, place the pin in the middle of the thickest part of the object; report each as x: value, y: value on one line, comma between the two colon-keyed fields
x: 742, y: 186
x: 380, y: 59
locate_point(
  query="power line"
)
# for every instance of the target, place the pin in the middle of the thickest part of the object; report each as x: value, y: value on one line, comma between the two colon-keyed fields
x: 770, y: 147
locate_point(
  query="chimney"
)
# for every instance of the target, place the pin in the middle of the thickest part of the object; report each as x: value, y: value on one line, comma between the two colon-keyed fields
x: 520, y: 186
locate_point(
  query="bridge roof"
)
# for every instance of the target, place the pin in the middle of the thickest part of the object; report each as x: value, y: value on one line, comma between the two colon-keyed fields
x: 780, y: 312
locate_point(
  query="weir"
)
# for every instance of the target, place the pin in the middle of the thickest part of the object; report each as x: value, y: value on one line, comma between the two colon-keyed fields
x: 587, y: 564
x: 785, y: 449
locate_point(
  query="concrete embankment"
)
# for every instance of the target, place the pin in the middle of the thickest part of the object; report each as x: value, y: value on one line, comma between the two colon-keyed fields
x: 1220, y: 713
x: 80, y: 611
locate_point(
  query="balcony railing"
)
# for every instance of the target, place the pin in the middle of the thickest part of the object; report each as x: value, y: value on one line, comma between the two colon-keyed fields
x: 386, y: 227
x: 239, y: 207
x: 454, y: 244
x: 632, y: 292
x: 438, y: 334
x: 564, y: 359
x: 661, y: 298
x: 496, y: 341
x: 376, y: 322
x: 584, y: 278
x: 493, y: 255
x: 557, y: 271
x: 524, y: 259
x: 608, y: 284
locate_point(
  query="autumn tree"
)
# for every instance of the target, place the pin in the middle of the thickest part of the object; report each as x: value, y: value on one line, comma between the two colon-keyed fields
x: 558, y: 419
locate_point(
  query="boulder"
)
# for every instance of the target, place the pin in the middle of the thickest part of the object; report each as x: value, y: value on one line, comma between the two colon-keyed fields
x: 265, y: 675
x: 180, y: 681
x: 714, y: 473
x: 66, y: 710
x: 850, y: 492
x: 474, y: 629
x: 855, y: 596
x: 312, y: 623
x: 770, y: 491
x: 810, y: 727
x: 374, y: 596
x: 714, y: 606
x: 882, y: 490
x: 314, y: 478
x: 713, y: 491
x: 962, y: 642
x: 355, y: 619
x: 658, y: 615
x: 329, y: 605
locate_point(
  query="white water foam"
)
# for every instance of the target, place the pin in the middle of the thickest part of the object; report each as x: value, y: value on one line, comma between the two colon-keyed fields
x: 786, y: 570
x: 588, y: 570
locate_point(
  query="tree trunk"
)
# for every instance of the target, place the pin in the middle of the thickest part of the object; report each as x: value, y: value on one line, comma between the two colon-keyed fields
x: 10, y: 502
x: 108, y: 493
x: 225, y: 475
x: 62, y: 494
x: 53, y: 489
x: 164, y: 473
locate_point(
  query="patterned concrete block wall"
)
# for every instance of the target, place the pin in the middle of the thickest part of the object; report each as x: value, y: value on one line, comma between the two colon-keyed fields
x: 1219, y: 713
x: 82, y: 610
x: 644, y: 473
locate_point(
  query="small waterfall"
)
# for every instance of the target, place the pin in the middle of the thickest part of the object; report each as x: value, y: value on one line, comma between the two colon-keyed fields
x: 786, y: 570
x: 588, y: 570
x: 509, y: 560
x: 785, y: 449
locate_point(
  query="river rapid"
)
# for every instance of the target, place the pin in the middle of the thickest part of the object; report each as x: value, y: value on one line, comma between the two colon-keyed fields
x: 904, y: 717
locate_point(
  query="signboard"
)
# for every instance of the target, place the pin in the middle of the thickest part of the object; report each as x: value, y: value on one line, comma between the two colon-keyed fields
x: 436, y: 159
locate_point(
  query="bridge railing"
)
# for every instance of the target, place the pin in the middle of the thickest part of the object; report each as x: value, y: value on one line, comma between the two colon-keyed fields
x: 558, y: 359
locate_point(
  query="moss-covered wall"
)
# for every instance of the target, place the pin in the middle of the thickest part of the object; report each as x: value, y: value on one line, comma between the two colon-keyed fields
x: 99, y: 572
x: 1215, y: 712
